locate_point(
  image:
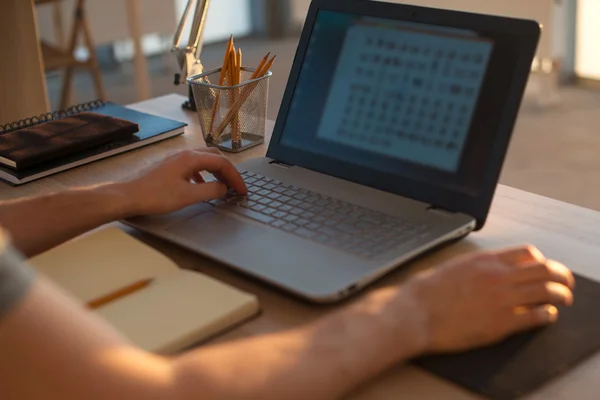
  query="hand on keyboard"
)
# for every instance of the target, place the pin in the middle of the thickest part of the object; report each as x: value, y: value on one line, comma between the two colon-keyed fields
x: 168, y: 187
x: 319, y: 218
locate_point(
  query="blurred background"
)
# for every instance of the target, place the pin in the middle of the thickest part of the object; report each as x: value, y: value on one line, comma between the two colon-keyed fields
x: 556, y: 145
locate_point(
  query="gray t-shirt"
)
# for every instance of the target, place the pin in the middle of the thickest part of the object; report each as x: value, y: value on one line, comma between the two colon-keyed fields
x: 16, y: 276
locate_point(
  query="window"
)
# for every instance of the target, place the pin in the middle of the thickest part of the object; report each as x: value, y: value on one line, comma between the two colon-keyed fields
x: 225, y: 17
x: 587, y: 56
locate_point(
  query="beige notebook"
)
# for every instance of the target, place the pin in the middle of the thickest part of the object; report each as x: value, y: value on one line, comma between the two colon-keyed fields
x: 178, y: 308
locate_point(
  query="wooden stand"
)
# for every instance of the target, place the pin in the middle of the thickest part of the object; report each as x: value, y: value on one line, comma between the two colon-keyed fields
x: 23, y: 91
x: 57, y: 57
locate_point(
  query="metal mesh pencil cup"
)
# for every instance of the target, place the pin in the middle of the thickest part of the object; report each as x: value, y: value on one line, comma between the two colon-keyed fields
x: 232, y: 118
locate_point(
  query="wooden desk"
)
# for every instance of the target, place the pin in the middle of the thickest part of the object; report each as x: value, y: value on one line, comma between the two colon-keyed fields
x: 562, y: 231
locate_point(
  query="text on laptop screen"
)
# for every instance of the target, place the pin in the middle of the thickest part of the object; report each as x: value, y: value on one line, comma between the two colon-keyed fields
x: 373, y: 90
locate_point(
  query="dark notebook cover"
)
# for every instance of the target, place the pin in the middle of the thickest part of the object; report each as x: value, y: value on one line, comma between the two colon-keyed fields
x: 27, y: 147
x: 152, y: 129
x: 521, y: 364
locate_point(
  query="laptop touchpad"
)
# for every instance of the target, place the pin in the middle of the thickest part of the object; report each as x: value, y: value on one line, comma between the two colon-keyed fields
x: 216, y: 230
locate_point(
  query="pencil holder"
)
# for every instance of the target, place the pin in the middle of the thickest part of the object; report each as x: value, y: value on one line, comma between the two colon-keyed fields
x: 232, y: 118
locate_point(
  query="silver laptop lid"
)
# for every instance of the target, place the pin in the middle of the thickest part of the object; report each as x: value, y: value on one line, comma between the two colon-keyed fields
x: 415, y: 101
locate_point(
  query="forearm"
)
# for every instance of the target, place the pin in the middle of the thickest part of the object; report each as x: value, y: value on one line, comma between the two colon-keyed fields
x: 322, y: 361
x: 70, y: 353
x: 37, y: 224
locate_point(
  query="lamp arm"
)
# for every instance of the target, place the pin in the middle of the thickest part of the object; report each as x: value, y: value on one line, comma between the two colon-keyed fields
x: 182, y: 24
x: 189, y: 56
x: 197, y: 32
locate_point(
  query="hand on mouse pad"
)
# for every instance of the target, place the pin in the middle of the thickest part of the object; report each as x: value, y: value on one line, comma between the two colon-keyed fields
x: 523, y: 362
x: 481, y: 298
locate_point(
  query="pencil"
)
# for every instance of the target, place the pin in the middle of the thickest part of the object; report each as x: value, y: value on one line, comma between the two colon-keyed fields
x: 266, y: 67
x: 239, y: 64
x: 233, y: 64
x: 260, y: 65
x: 238, y: 128
x: 222, y: 78
x: 117, y: 294
x: 246, y: 92
x: 225, y: 60
x: 232, y: 82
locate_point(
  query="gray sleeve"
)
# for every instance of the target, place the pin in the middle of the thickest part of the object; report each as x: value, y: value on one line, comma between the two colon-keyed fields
x: 16, y: 277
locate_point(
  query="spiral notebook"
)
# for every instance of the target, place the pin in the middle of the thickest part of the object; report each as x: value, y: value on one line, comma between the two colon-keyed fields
x: 152, y: 129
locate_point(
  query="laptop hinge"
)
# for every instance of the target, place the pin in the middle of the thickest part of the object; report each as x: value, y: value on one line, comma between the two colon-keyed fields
x: 280, y: 164
x: 440, y: 211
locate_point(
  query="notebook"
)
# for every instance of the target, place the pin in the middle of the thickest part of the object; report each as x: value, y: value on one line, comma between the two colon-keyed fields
x: 151, y: 130
x: 26, y: 147
x: 177, y: 309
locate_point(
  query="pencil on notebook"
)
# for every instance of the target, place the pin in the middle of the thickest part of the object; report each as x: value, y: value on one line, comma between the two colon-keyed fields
x: 117, y: 294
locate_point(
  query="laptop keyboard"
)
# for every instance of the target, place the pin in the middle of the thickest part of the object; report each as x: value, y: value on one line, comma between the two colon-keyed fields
x: 319, y: 218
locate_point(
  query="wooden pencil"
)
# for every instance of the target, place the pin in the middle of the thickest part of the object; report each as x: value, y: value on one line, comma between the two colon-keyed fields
x: 233, y: 64
x: 117, y: 294
x: 246, y: 92
x: 260, y: 65
x: 222, y: 78
x: 226, y: 60
x: 232, y: 82
x: 239, y: 63
x: 266, y: 67
x: 238, y: 128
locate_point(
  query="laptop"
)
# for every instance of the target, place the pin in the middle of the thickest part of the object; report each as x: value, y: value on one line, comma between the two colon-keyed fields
x: 389, y: 143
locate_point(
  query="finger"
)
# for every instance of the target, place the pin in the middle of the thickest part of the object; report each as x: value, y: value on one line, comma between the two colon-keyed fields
x: 212, y: 150
x: 207, y: 191
x: 548, y: 293
x: 220, y: 178
x: 527, y: 318
x: 551, y: 271
x: 522, y: 255
x: 218, y: 165
x: 226, y: 179
x: 217, y: 175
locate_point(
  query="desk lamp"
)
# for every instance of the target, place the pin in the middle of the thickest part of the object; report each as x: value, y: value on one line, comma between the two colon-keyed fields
x: 188, y: 57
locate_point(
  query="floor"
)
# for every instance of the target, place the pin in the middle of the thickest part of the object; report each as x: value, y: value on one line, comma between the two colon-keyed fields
x: 555, y: 151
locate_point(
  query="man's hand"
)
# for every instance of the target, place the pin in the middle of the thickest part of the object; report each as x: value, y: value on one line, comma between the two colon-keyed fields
x: 484, y: 297
x: 177, y: 183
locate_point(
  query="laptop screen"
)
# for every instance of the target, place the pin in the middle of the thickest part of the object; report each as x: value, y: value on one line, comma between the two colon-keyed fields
x: 399, y: 97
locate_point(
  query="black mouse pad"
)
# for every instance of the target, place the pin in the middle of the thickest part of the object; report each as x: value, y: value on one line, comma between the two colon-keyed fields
x: 524, y: 362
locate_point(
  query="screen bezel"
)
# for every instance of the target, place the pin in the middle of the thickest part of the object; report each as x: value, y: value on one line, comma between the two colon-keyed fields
x: 475, y: 203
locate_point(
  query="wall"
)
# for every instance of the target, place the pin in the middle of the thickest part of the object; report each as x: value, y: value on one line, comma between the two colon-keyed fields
x: 221, y: 21
x: 159, y: 19
x: 108, y: 18
x: 545, y: 11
